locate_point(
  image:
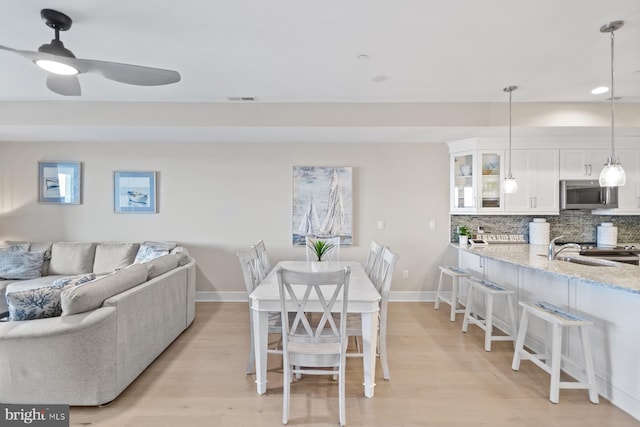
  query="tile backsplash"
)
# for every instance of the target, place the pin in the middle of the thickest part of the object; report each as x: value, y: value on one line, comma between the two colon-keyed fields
x: 574, y: 225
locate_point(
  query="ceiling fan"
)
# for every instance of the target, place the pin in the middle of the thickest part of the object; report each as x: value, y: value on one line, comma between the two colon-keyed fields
x: 63, y: 67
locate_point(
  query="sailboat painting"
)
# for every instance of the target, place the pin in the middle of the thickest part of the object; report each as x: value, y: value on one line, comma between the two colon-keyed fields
x: 322, y: 203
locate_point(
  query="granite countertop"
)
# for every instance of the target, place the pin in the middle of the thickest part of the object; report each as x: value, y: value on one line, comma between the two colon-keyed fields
x: 620, y: 276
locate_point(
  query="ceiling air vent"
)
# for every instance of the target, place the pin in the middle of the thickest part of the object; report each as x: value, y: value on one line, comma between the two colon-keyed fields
x: 242, y: 98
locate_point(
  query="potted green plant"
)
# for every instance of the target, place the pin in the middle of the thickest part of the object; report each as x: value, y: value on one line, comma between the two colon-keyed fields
x: 320, y: 247
x: 464, y: 234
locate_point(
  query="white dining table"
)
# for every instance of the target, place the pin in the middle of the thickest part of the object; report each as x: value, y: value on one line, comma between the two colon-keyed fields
x: 363, y: 299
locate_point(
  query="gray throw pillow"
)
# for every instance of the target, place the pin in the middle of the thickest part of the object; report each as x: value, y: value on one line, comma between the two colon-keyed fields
x: 113, y: 256
x: 91, y: 295
x: 21, y: 265
x: 161, y: 265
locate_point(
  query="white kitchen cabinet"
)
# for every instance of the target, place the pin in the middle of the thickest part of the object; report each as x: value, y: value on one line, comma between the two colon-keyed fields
x: 582, y: 164
x: 537, y: 174
x: 476, y: 181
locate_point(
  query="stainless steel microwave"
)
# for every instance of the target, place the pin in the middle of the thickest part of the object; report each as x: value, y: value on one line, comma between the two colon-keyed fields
x: 587, y: 194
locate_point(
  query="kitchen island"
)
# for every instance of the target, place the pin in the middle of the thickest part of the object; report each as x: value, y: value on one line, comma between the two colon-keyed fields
x: 608, y: 294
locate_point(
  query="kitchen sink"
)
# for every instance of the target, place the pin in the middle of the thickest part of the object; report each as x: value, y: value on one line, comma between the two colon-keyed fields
x: 594, y: 262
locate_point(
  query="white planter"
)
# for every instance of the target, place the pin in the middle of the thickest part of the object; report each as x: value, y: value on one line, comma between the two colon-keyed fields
x: 464, y: 240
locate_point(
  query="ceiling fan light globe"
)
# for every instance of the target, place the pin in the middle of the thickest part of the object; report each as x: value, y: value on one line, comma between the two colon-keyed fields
x: 56, y: 67
x: 612, y: 175
x: 510, y: 185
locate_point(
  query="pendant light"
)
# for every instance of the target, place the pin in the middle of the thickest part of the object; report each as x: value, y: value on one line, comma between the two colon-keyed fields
x: 612, y: 175
x: 510, y: 185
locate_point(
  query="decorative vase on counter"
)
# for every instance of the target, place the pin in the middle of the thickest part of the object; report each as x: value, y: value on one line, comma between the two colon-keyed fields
x: 463, y: 240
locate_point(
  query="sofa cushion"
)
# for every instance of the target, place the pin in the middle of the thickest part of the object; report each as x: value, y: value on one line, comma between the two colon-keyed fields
x: 113, y: 256
x: 71, y: 258
x: 42, y: 302
x: 147, y: 252
x: 161, y: 265
x: 91, y: 295
x: 21, y: 265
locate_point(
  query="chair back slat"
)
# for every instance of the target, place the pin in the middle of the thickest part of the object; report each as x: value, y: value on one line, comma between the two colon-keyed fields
x: 250, y: 265
x: 374, y: 257
x: 263, y: 257
x: 299, y: 290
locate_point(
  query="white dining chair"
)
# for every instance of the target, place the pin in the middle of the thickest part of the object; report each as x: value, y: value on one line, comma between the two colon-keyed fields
x: 263, y: 256
x: 310, y: 347
x: 333, y: 254
x: 382, y: 281
x: 374, y: 256
x: 251, y: 272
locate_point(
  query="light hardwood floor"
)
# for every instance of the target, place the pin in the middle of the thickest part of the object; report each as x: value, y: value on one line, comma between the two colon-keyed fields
x: 439, y: 377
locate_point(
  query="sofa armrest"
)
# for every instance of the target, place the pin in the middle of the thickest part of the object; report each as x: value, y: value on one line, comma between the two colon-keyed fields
x: 73, y: 352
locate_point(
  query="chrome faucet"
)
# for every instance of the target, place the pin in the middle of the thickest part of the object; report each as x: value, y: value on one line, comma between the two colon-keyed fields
x: 553, y: 253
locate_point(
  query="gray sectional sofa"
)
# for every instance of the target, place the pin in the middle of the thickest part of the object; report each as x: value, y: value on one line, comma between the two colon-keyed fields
x: 111, y: 319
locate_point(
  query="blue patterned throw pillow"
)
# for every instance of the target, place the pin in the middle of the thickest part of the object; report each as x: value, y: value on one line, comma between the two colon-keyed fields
x: 42, y: 302
x: 21, y: 265
x: 146, y: 253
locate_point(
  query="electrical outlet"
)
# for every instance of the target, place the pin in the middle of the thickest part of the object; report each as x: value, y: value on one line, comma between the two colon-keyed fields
x: 405, y: 274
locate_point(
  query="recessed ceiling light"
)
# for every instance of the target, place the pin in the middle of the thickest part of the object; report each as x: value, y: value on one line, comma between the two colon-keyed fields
x: 599, y: 90
x: 363, y: 57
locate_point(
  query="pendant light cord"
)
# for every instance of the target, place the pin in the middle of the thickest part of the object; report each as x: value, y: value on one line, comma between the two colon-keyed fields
x: 510, y: 133
x: 612, y: 154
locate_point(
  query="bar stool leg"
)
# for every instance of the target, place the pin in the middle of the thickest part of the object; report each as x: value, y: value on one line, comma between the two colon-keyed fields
x: 512, y: 317
x: 437, y: 306
x: 556, y: 359
x: 488, y: 323
x: 454, y: 299
x: 588, y: 363
x: 467, y: 311
x: 522, y: 332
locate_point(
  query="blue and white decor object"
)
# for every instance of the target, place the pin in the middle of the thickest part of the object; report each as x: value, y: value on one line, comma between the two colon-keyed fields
x: 134, y: 192
x: 147, y: 253
x: 21, y: 265
x: 42, y: 302
x: 59, y: 182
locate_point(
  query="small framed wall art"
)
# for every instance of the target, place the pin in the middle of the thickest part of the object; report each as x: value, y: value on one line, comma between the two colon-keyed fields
x: 134, y: 192
x: 59, y: 182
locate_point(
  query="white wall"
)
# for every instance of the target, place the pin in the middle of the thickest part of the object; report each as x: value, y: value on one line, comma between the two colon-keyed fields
x: 216, y: 199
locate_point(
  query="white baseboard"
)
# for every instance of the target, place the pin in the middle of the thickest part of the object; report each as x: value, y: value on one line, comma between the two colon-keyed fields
x: 231, y: 296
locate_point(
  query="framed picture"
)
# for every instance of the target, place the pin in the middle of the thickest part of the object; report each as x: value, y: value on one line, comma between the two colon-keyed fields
x: 134, y: 192
x: 59, y: 182
x: 322, y: 203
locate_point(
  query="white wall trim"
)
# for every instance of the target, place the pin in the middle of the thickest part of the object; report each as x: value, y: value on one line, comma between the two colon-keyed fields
x: 232, y: 296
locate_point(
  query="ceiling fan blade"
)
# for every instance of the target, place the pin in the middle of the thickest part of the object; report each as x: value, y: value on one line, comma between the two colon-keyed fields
x: 127, y: 73
x: 26, y: 53
x: 63, y: 85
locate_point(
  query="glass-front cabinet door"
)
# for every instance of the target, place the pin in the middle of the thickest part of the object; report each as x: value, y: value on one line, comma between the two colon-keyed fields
x: 476, y: 181
x: 490, y: 186
x: 463, y: 188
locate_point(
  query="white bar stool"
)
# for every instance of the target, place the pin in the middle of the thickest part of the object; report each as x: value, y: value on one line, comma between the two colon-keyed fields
x: 559, y: 319
x: 490, y: 290
x: 455, y: 273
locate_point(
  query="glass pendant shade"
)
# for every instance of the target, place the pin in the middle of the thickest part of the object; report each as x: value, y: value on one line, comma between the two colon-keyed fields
x: 612, y: 175
x: 510, y: 185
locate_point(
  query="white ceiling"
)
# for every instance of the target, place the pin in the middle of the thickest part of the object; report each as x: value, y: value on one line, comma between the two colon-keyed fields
x: 298, y: 51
